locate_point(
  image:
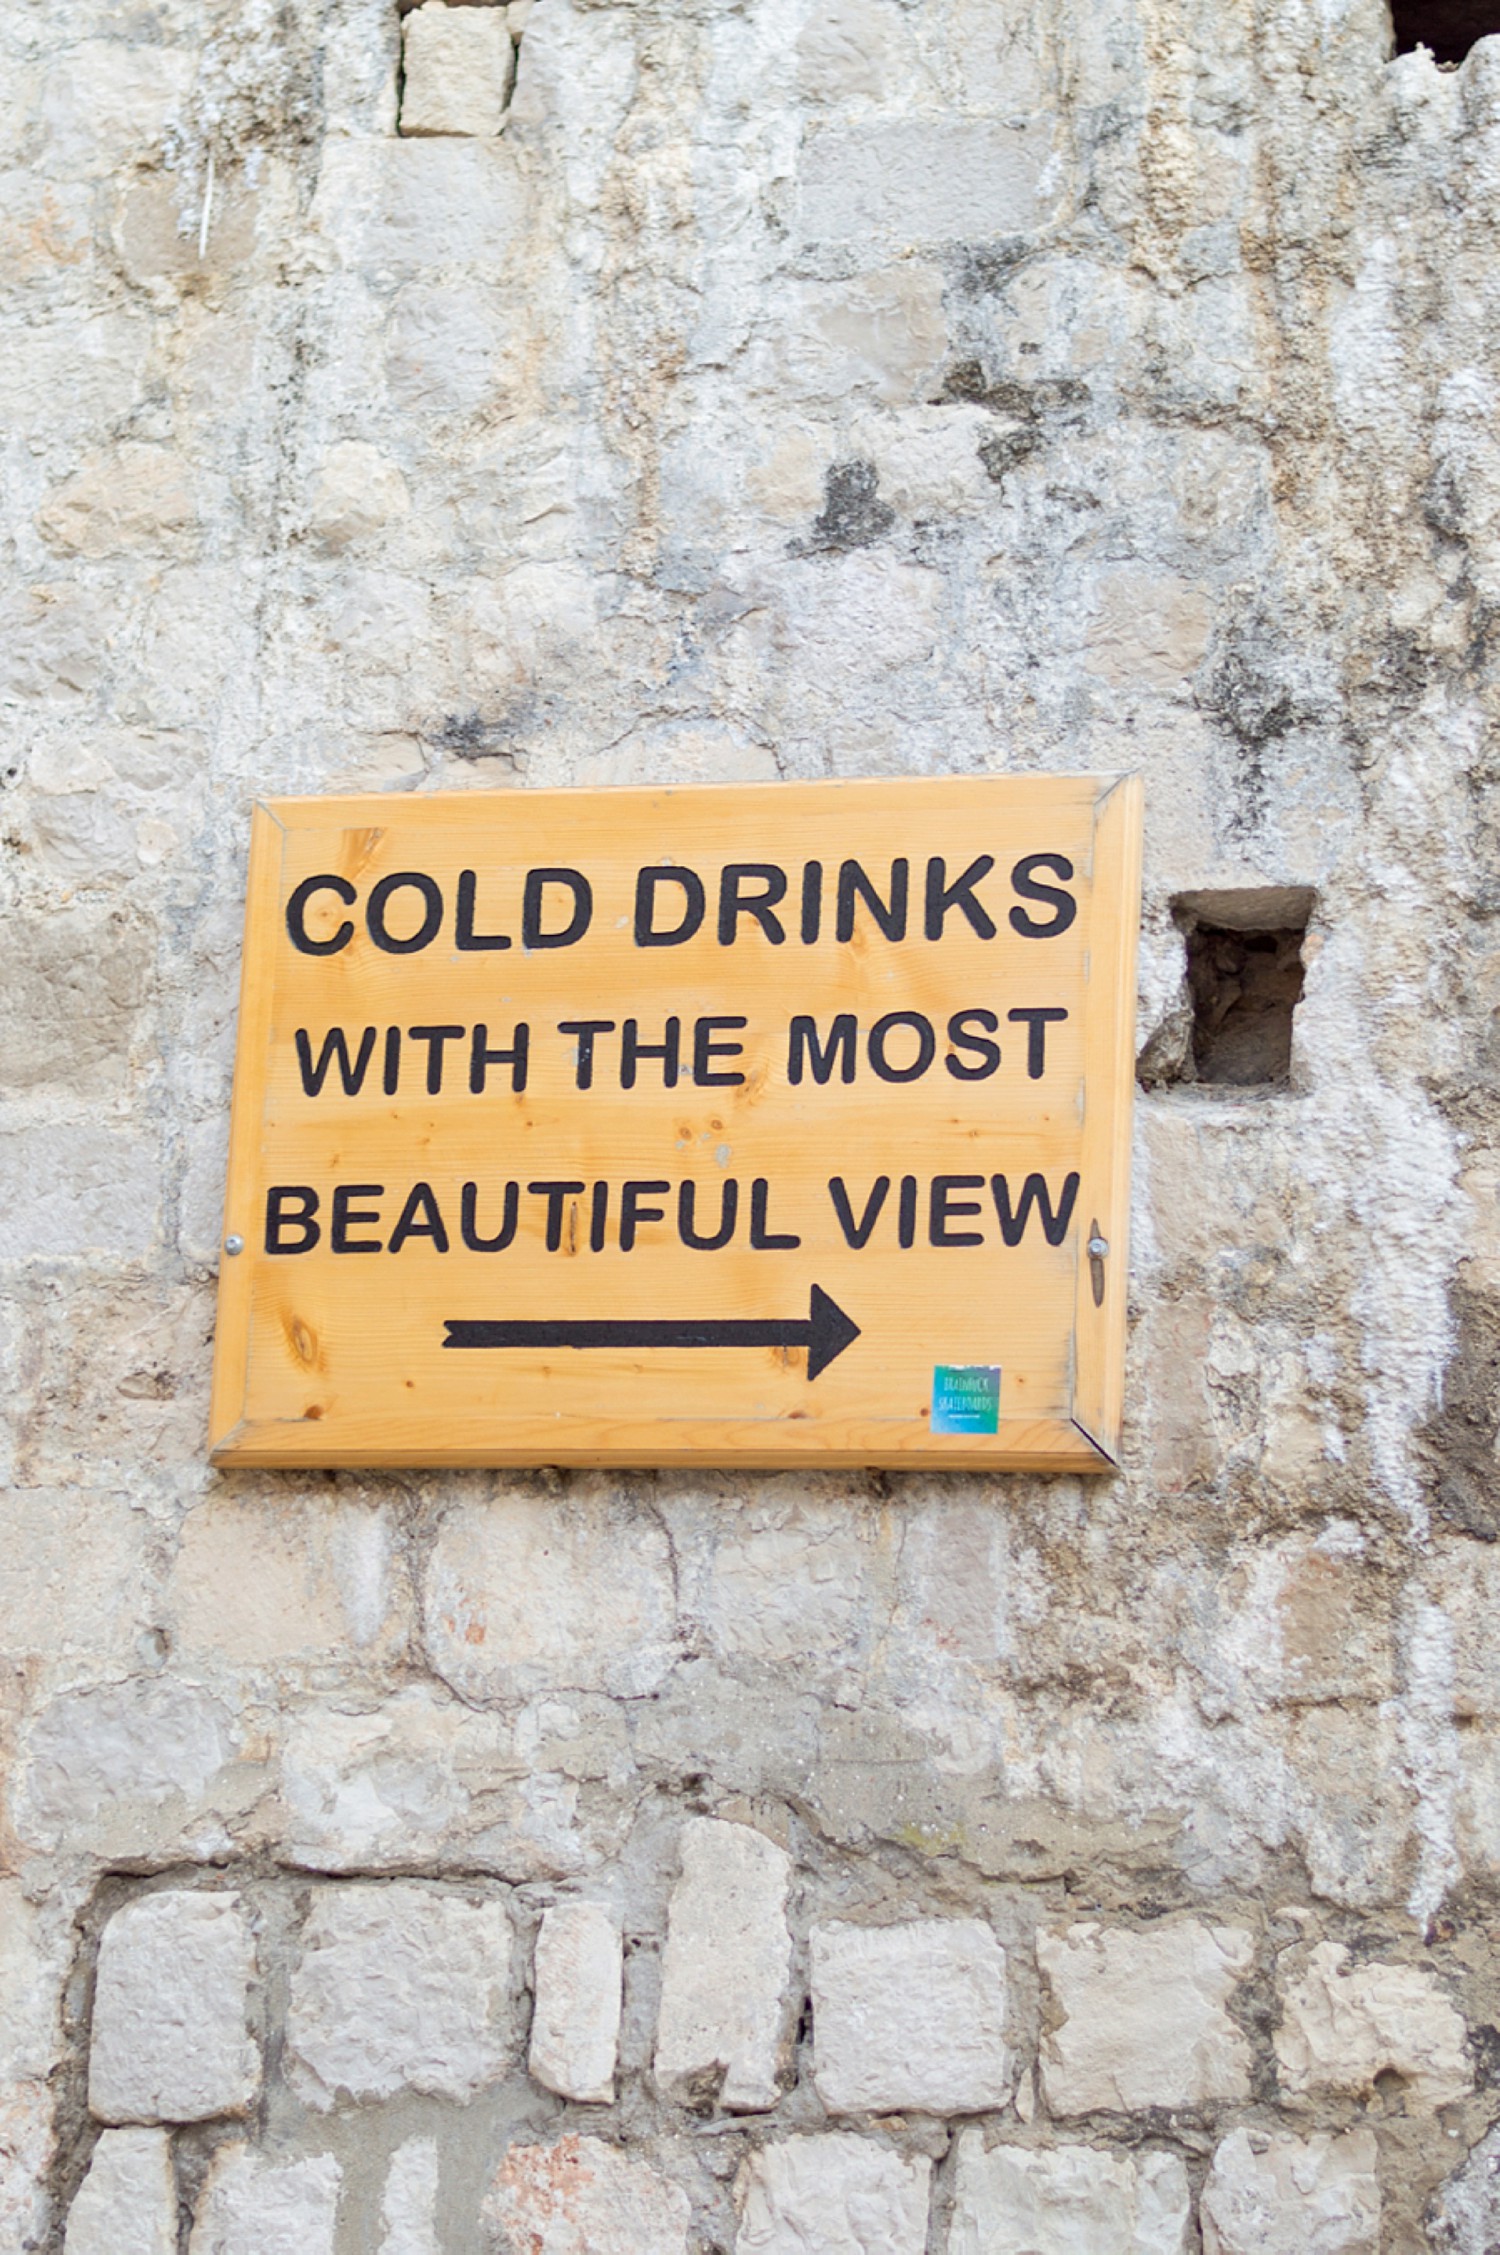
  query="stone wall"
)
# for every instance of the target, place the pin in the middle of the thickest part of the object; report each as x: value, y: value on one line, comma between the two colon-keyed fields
x: 576, y: 1865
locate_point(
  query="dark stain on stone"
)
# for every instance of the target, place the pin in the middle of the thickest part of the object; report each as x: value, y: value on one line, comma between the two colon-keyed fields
x: 853, y: 515
x: 1458, y: 1440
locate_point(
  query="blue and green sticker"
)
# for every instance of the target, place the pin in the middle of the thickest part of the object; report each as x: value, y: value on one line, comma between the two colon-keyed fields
x: 966, y: 1397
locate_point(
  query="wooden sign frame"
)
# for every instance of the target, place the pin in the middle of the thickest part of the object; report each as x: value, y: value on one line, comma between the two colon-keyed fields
x: 801, y: 1343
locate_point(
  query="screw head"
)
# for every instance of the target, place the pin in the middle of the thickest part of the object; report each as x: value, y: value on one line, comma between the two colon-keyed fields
x: 234, y: 1244
x: 1098, y: 1248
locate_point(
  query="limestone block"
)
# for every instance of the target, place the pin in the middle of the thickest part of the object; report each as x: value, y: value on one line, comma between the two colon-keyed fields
x: 257, y: 1582
x: 73, y: 990
x: 170, y: 2041
x: 132, y: 497
x: 832, y: 2196
x: 575, y: 2026
x: 1067, y: 2200
x: 408, y: 2207
x: 1465, y: 2213
x: 927, y: 180
x: 1144, y: 2017
x: 724, y: 1968
x: 26, y: 2110
x: 127, y: 2204
x: 583, y: 2197
x: 1344, y: 2024
x: 120, y: 1769
x: 357, y: 490
x: 417, y: 204
x: 909, y: 2016
x: 458, y: 66
x: 252, y: 2206
x: 1148, y: 628
x: 1268, y: 2194
x: 34, y: 1961
x: 399, y: 1988
x: 77, y: 1187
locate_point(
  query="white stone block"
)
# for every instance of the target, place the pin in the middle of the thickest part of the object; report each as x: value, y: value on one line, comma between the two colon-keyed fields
x: 1344, y: 2024
x: 832, y: 2196
x: 724, y: 1968
x: 1269, y: 2194
x: 583, y: 2197
x: 127, y: 2204
x: 408, y: 2206
x: 575, y: 2026
x: 170, y: 2041
x: 1465, y: 2213
x: 77, y: 1187
x: 1067, y: 2200
x: 251, y: 2206
x: 914, y: 180
x: 1144, y: 2017
x: 909, y: 2016
x: 458, y: 66
x: 399, y: 1988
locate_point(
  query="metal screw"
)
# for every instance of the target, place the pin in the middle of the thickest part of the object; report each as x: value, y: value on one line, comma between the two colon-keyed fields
x: 1098, y: 1248
x: 234, y: 1244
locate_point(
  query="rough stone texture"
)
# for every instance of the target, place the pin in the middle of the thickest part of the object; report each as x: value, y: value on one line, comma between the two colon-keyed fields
x: 1270, y: 2194
x: 458, y: 65
x: 583, y: 2197
x: 725, y: 1968
x: 408, y: 2204
x: 169, y: 2038
x: 1144, y: 2019
x: 1465, y: 2214
x: 1343, y: 2025
x: 399, y: 1988
x: 127, y: 2204
x: 909, y: 2016
x: 575, y: 2021
x: 833, y: 2196
x: 252, y: 2206
x: 1066, y: 2200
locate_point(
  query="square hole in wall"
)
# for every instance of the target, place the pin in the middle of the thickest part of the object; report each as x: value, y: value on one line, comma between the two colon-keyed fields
x: 1244, y: 981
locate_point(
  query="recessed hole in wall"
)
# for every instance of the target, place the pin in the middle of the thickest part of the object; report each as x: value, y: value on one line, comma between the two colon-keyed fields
x: 1447, y: 28
x: 1244, y: 980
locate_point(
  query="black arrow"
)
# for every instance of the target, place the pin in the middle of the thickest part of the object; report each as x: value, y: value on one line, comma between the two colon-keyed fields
x: 826, y: 1332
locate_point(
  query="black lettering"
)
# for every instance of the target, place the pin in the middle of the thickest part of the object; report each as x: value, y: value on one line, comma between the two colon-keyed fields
x: 481, y: 1058
x: 1034, y: 1191
x: 733, y: 905
x: 729, y: 1209
x: 554, y: 1193
x: 906, y: 1213
x: 694, y: 903
x: 537, y: 881
x: 960, y: 894
x: 762, y: 1238
x: 812, y: 901
x: 347, y: 1216
x: 1063, y: 905
x: 857, y: 1233
x: 988, y: 1052
x: 598, y: 1216
x: 404, y: 880
x: 585, y: 1028
x: 881, y: 1032
x: 943, y: 1206
x: 392, y: 1073
x: 468, y: 1219
x: 420, y: 1202
x: 668, y: 1049
x: 803, y: 1044
x: 633, y: 1213
x: 706, y: 1049
x: 279, y: 1221
x: 465, y: 938
x: 1036, y: 1023
x: 296, y: 912
x: 335, y: 1050
x: 853, y: 881
x: 437, y: 1039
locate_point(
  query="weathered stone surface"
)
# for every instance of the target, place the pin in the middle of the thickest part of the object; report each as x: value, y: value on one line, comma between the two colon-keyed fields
x: 1344, y: 2024
x: 1269, y: 2194
x: 134, y: 497
x: 1144, y: 2020
x: 832, y: 2196
x: 408, y: 2205
x: 169, y: 2041
x: 254, y: 2206
x: 575, y: 2022
x: 358, y: 490
x: 127, y: 2204
x: 583, y: 2197
x: 724, y: 1968
x: 910, y: 2016
x: 26, y: 2148
x: 458, y: 66
x: 126, y: 1768
x: 73, y: 999
x: 1067, y: 2200
x: 77, y: 1187
x: 399, y: 1988
x: 1465, y: 2213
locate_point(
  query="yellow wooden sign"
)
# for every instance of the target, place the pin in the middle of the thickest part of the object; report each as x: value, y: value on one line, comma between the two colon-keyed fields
x: 778, y: 1125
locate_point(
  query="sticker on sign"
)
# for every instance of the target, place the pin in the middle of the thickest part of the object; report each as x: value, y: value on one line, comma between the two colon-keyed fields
x: 672, y: 1127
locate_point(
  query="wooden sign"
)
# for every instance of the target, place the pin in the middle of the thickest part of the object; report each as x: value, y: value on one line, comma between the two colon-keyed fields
x: 779, y: 1125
